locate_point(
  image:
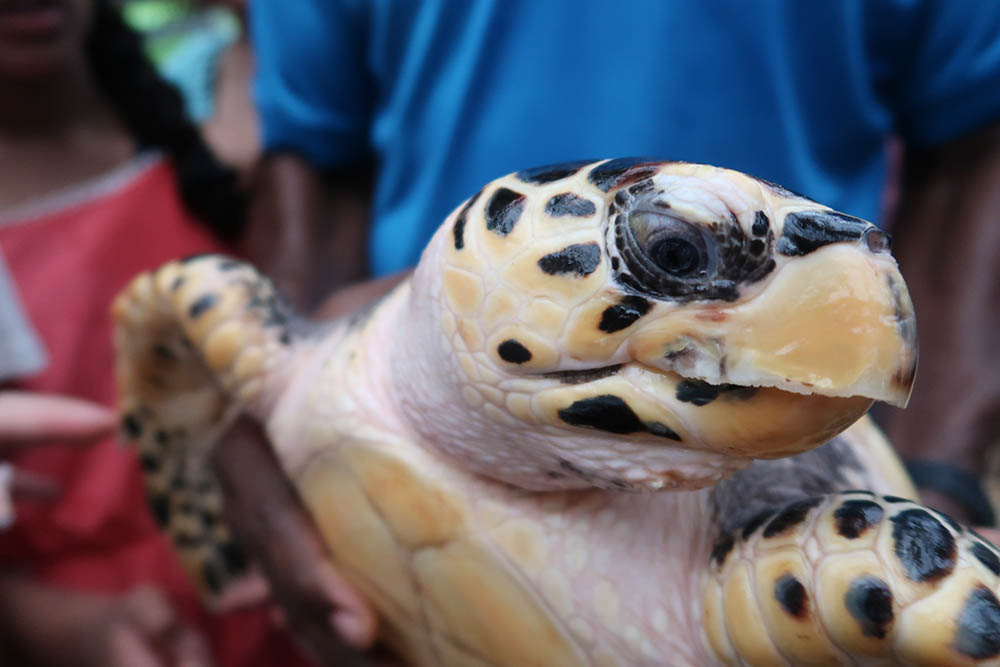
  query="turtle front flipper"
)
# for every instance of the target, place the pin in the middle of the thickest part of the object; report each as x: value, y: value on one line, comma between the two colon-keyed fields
x: 195, y: 342
x: 853, y: 578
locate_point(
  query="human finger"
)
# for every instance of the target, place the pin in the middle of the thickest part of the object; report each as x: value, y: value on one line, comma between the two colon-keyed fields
x: 283, y: 539
x: 128, y: 647
x: 26, y: 484
x: 28, y: 417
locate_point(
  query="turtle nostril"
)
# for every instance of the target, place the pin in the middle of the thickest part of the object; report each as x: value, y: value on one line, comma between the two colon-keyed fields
x: 876, y: 240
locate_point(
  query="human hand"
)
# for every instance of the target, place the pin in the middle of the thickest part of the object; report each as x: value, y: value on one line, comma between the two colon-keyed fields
x: 57, y: 628
x: 28, y: 419
x: 326, y: 614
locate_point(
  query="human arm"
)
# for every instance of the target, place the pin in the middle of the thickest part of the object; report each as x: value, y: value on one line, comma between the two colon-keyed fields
x: 308, y: 230
x: 947, y: 243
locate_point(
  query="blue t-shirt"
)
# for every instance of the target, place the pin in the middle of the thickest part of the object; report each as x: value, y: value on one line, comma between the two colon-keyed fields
x: 446, y: 95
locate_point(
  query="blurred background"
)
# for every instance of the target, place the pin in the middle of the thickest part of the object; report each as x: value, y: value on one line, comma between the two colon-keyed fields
x: 325, y: 140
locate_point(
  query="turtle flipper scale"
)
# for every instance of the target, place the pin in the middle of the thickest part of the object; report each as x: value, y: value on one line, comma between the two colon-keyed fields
x: 853, y: 576
x: 195, y: 341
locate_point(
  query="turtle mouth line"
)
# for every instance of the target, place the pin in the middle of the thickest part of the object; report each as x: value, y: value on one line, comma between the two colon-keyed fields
x: 584, y: 375
x: 691, y: 390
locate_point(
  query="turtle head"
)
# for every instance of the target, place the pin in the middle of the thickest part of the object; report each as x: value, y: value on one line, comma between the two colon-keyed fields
x: 638, y: 324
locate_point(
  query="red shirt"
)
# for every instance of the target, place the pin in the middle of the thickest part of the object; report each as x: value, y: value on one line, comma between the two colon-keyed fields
x: 68, y: 264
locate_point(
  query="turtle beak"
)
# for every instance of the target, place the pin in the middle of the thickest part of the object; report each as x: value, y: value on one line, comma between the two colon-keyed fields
x: 832, y: 320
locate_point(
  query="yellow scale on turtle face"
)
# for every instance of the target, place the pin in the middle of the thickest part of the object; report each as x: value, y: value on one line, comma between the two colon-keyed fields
x: 480, y: 448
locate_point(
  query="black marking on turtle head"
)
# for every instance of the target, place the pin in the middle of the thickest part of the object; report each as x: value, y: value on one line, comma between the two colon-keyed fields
x: 792, y: 596
x: 978, y: 626
x: 228, y: 264
x: 720, y: 551
x: 567, y: 203
x: 854, y: 517
x: 662, y: 430
x: 202, y: 305
x: 986, y: 556
x: 623, y: 171
x: 806, y: 231
x: 869, y: 601
x: 513, y: 352
x: 923, y: 545
x: 161, y: 437
x: 503, y: 210
x: 579, y: 259
x: 699, y: 392
x: 458, y: 231
x: 178, y: 282
x: 159, y: 505
x: 132, y: 426
x: 791, y: 516
x: 604, y: 413
x: 624, y: 314
x: 895, y: 499
x: 552, y: 172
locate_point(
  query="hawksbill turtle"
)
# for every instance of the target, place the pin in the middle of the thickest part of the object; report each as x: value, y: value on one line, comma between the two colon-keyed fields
x: 616, y: 416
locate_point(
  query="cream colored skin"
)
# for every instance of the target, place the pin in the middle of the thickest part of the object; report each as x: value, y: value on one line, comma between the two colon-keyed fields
x: 489, y: 531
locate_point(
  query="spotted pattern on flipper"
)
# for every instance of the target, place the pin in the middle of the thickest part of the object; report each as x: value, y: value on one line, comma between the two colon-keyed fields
x: 792, y: 596
x: 791, y: 516
x: 978, y: 626
x: 869, y: 601
x: 890, y: 581
x: 195, y: 341
x: 923, y: 545
x: 987, y: 557
x: 854, y: 517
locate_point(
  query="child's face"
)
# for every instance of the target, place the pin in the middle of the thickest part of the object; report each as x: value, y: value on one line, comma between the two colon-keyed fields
x: 41, y: 37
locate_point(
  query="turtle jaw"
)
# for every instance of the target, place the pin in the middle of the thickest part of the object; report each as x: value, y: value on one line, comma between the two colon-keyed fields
x: 836, y: 323
x: 746, y: 421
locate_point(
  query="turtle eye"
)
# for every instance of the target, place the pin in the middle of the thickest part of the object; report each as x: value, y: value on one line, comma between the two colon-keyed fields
x: 674, y: 246
x: 676, y: 256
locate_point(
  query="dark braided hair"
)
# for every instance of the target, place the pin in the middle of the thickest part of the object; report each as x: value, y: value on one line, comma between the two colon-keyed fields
x: 153, y: 111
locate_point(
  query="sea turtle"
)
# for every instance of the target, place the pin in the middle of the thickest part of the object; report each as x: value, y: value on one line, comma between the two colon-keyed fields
x: 481, y: 447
